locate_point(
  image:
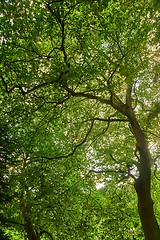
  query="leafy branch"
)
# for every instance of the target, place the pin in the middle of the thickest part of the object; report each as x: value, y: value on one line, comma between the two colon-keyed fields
x: 126, y: 174
x: 75, y: 147
x: 25, y: 90
x: 87, y: 95
x: 57, y: 16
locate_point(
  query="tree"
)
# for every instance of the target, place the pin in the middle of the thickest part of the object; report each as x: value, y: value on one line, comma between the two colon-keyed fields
x: 93, y: 66
x: 6, y: 151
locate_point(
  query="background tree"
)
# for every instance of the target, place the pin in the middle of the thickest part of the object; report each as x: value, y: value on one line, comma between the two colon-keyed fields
x: 6, y: 150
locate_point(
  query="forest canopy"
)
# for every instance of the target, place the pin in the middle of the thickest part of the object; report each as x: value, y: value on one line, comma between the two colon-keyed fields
x: 79, y: 124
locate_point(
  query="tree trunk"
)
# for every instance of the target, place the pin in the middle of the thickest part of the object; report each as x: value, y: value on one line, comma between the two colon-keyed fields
x: 142, y: 185
x: 31, y: 234
x: 28, y: 226
x: 145, y: 208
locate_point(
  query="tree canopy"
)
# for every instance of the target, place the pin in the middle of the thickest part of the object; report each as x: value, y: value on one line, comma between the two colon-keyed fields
x: 80, y: 99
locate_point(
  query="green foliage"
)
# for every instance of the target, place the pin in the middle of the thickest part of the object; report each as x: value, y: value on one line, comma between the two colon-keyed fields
x: 3, y: 236
x: 6, y: 151
x: 65, y: 69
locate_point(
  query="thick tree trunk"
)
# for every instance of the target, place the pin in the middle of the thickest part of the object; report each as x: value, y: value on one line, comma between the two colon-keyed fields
x: 145, y: 208
x: 142, y: 185
x: 31, y: 234
x: 28, y: 226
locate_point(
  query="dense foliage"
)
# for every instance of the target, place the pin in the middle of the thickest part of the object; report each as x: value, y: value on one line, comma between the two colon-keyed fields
x: 80, y: 119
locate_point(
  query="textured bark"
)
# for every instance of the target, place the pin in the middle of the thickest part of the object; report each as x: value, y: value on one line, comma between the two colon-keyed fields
x: 142, y: 185
x: 145, y: 208
x: 28, y: 226
x: 31, y: 234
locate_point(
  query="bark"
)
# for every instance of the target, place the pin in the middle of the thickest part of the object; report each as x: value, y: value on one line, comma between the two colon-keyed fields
x: 143, y: 183
x: 31, y: 234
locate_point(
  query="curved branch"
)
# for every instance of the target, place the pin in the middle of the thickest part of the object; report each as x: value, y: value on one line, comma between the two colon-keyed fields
x: 7, y: 221
x: 75, y: 147
x: 45, y: 232
x: 106, y: 171
x: 115, y: 101
x: 24, y: 90
x: 55, y: 1
x: 107, y: 120
x: 11, y: 90
x: 55, y: 103
x: 87, y: 95
x: 126, y: 174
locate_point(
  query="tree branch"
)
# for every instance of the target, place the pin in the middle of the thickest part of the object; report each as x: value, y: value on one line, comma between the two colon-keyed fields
x: 75, y: 147
x: 119, y: 46
x: 107, y: 120
x: 11, y: 90
x: 126, y: 174
x: 115, y: 102
x: 87, y: 95
x: 45, y: 232
x: 56, y: 14
x: 25, y: 91
x: 155, y: 169
x: 54, y: 1
x: 7, y: 221
x: 128, y: 97
x: 106, y: 171
x: 55, y: 103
